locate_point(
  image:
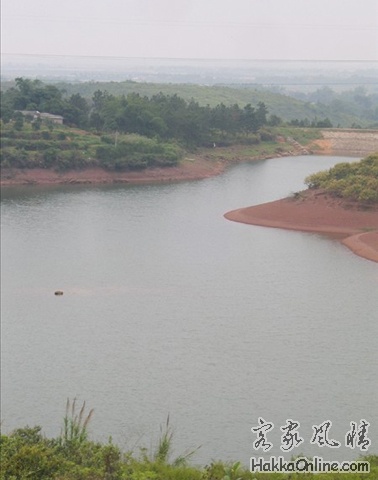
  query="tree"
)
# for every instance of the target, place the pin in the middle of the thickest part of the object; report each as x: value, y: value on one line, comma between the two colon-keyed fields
x: 18, y: 121
x: 249, y: 119
x: 76, y: 110
x: 325, y: 123
x: 6, y: 110
x: 261, y: 114
x: 36, y: 124
x: 274, y: 120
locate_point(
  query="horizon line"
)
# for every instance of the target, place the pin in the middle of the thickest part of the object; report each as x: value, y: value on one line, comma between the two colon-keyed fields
x: 262, y: 60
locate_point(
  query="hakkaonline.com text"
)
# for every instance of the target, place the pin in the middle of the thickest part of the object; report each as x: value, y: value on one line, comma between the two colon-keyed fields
x: 305, y: 465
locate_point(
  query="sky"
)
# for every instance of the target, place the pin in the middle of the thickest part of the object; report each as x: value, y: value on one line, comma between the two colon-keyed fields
x: 343, y: 30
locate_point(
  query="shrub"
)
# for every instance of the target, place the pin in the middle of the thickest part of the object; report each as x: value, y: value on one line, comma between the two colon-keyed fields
x: 46, y: 135
x: 61, y: 136
x: 316, y: 180
x: 357, y: 180
x: 137, y: 153
x: 50, y: 157
x: 266, y: 136
x: 26, y: 454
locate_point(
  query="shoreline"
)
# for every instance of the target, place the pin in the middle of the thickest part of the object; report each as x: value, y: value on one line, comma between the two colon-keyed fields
x: 357, y: 229
x: 99, y: 176
x: 204, y: 164
x: 199, y: 166
x: 354, y: 225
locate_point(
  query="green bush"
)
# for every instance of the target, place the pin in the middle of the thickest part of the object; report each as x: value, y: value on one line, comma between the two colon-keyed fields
x: 136, y: 153
x: 46, y: 135
x: 50, y: 157
x: 61, y: 136
x: 27, y: 454
x: 107, y: 139
x: 357, y: 180
x: 266, y: 135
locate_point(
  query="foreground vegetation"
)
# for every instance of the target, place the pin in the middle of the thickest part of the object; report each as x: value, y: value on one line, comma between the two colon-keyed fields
x: 27, y: 454
x: 356, y: 181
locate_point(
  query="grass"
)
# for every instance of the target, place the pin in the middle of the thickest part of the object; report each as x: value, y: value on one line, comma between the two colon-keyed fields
x: 75, y: 425
x: 302, y: 135
x: 236, y: 153
x: 27, y: 454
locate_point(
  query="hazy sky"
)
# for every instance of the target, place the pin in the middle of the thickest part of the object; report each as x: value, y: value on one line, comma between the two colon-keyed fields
x: 229, y: 29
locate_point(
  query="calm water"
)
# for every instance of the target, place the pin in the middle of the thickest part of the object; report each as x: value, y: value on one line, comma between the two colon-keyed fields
x: 170, y: 308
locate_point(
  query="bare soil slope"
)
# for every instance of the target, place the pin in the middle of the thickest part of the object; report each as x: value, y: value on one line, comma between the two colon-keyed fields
x: 316, y: 211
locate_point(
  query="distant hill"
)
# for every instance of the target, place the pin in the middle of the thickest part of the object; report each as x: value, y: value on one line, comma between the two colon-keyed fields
x: 282, y: 105
x: 342, y: 111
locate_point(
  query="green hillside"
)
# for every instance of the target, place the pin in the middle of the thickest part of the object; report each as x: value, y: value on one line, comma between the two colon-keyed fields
x: 120, y: 132
x: 345, y: 110
x: 284, y: 106
x: 136, y: 131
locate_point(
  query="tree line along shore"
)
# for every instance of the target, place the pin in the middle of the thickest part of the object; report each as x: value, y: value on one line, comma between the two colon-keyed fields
x: 44, y: 127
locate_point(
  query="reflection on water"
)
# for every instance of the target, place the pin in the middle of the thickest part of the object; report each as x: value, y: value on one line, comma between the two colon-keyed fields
x: 170, y: 308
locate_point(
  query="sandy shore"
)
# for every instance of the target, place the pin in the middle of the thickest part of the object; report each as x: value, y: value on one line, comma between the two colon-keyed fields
x: 364, y: 244
x: 316, y: 211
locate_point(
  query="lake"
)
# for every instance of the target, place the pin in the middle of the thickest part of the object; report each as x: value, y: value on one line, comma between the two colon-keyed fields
x: 168, y: 308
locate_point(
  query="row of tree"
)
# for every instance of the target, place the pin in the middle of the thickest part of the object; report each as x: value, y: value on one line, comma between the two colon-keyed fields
x: 171, y: 117
x: 34, y: 95
x: 164, y: 116
x: 167, y: 117
x: 359, y: 102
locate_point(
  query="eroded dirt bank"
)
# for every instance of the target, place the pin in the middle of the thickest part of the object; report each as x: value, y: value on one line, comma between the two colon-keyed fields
x: 316, y: 211
x: 356, y: 225
x: 203, y: 165
x: 187, y: 170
